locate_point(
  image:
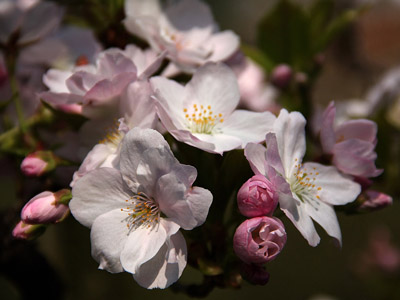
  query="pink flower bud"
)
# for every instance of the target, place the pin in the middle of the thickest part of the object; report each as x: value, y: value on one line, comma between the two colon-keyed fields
x: 45, y: 208
x: 25, y: 231
x: 281, y: 76
x: 255, y: 274
x: 259, y: 240
x: 257, y: 197
x: 374, y: 200
x: 38, y: 163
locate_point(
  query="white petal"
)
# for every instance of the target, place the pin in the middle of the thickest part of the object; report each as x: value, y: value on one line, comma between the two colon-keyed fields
x: 144, y: 243
x: 336, y: 189
x: 136, y: 142
x: 296, y: 213
x: 250, y: 127
x: 108, y: 236
x: 325, y: 215
x: 221, y: 142
x: 223, y: 44
x: 290, y: 135
x: 166, y: 266
x: 215, y: 85
x: 96, y: 193
x: 170, y: 96
x: 138, y: 108
x: 187, y: 208
x: 55, y: 80
x: 255, y: 154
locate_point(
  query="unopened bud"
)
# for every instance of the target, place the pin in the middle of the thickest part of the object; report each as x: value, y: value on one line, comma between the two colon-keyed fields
x: 374, y: 200
x: 47, y: 207
x: 38, y: 163
x: 257, y: 197
x: 25, y: 231
x: 259, y: 240
x: 281, y: 76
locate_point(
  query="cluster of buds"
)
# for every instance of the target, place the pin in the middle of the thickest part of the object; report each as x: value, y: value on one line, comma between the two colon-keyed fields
x: 43, y: 209
x: 260, y: 239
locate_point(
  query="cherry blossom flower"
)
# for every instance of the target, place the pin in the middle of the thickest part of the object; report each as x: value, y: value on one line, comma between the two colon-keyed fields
x: 306, y: 191
x: 351, y: 144
x: 135, y: 211
x: 185, y: 29
x: 98, y: 88
x: 202, y: 113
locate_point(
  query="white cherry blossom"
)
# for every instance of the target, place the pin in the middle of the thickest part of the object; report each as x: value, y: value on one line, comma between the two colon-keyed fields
x: 135, y: 211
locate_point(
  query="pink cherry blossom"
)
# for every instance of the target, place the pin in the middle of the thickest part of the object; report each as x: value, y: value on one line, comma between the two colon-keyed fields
x: 185, y: 29
x: 351, y: 144
x: 32, y: 165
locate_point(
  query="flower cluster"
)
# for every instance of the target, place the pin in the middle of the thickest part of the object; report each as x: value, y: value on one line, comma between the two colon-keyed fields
x: 159, y: 139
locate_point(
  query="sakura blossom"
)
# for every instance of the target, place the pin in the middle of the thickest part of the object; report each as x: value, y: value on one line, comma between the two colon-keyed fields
x: 135, y: 211
x: 202, y: 113
x: 306, y: 191
x: 185, y: 29
x: 351, y: 144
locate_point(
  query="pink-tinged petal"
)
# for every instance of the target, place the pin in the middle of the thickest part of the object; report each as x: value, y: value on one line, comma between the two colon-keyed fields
x: 327, y: 133
x: 55, y: 80
x: 96, y: 193
x: 105, y: 90
x: 108, y: 236
x: 214, y: 85
x: 166, y: 266
x: 272, y: 156
x: 171, y: 70
x: 138, y: 108
x: 154, y: 163
x: 296, y: 213
x: 112, y: 62
x: 101, y: 155
x: 325, y: 215
x: 188, y: 209
x: 356, y: 157
x: 58, y: 100
x: 153, y: 66
x: 291, y: 140
x: 250, y: 127
x: 365, y: 130
x: 144, y: 243
x: 223, y: 45
x: 134, y: 8
x: 35, y: 26
x: 193, y: 139
x: 170, y: 96
x: 256, y: 155
x: 336, y: 189
x: 136, y: 143
x: 221, y: 142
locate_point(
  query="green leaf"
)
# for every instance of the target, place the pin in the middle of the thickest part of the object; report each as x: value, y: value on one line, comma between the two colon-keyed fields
x: 258, y: 56
x: 283, y: 34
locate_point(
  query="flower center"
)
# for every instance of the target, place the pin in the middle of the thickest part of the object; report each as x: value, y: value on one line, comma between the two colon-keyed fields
x: 113, y: 136
x: 201, y: 119
x: 142, y: 211
x: 303, y: 184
